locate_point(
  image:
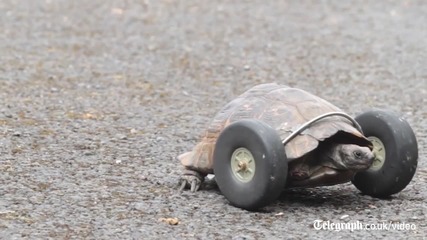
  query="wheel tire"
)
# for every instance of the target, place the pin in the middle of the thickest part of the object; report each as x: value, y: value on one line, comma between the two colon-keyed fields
x: 401, y: 154
x: 270, y: 167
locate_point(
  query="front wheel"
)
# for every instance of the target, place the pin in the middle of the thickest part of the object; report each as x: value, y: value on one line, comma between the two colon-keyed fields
x: 250, y: 164
x: 396, y: 154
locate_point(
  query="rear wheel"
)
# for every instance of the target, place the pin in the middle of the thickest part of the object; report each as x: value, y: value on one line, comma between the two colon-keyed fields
x: 250, y: 164
x: 396, y: 154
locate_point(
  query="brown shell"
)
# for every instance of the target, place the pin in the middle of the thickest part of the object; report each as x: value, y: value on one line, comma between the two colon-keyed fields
x: 283, y: 108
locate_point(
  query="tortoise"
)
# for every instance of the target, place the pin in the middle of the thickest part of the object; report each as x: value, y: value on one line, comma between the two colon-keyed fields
x: 274, y: 137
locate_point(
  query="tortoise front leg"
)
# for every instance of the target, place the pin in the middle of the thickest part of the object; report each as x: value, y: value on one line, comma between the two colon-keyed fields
x: 191, y: 179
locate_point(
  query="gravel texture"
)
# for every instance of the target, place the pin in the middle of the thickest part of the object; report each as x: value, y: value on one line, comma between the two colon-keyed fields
x: 97, y: 98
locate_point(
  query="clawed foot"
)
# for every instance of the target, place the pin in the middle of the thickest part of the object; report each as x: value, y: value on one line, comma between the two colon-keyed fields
x: 190, y: 179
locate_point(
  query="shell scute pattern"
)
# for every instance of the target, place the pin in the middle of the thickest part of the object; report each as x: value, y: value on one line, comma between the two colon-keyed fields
x: 284, y: 109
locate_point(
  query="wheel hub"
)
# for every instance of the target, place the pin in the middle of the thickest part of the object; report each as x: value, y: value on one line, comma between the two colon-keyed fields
x: 243, y: 164
x: 379, y: 152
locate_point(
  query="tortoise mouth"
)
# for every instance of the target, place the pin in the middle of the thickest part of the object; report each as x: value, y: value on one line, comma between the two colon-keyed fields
x: 324, y: 176
x: 359, y: 166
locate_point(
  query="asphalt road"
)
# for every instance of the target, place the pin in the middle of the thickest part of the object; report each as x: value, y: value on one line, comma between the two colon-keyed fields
x: 97, y: 98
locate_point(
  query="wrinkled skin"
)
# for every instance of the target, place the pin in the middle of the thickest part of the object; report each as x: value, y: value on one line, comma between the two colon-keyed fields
x: 191, y: 179
x: 350, y: 157
x: 336, y: 163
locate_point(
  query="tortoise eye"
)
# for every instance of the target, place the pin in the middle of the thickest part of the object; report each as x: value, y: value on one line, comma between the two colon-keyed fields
x: 357, y: 154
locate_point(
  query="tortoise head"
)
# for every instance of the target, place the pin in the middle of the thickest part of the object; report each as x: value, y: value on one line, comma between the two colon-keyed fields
x: 351, y: 157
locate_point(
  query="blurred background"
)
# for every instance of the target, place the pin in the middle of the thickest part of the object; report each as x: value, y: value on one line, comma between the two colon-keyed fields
x: 97, y: 98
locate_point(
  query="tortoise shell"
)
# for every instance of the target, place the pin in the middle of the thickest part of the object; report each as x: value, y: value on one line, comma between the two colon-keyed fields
x: 284, y: 109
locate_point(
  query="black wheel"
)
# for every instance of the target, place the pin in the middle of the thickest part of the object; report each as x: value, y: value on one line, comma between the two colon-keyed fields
x: 396, y: 154
x: 250, y: 164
